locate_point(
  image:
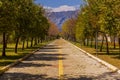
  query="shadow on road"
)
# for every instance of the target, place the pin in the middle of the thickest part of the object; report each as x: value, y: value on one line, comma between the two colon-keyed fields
x: 26, y: 64
x: 48, y: 53
x: 46, y: 57
x: 50, y: 48
x: 25, y: 76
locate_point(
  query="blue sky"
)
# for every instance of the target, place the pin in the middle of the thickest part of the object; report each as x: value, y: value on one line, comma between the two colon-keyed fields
x: 59, y: 5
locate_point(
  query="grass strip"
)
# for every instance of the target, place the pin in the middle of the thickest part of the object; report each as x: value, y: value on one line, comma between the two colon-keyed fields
x: 13, y: 57
x: 113, y: 58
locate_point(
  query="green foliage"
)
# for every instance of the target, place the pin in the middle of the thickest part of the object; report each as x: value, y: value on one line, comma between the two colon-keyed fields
x: 53, y: 31
x: 0, y: 3
x: 69, y: 29
x: 24, y: 19
x: 96, y: 16
x: 7, y: 19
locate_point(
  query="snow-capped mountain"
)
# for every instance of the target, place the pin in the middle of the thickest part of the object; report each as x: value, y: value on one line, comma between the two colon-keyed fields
x: 59, y: 17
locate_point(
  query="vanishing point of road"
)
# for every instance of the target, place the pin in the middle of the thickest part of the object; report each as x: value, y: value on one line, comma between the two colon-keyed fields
x: 59, y: 60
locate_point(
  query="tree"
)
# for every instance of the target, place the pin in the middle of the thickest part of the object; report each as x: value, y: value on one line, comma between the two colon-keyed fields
x: 7, y: 10
x: 68, y: 29
x: 31, y: 22
x: 23, y: 19
x: 53, y: 31
x: 28, y: 21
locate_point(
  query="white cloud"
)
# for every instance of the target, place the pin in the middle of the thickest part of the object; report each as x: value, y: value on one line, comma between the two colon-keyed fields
x: 63, y: 8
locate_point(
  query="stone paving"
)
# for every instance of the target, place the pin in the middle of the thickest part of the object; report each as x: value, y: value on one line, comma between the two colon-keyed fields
x: 45, y: 64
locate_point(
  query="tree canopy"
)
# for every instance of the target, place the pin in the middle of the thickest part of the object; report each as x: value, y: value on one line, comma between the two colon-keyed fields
x: 96, y: 16
x: 24, y: 19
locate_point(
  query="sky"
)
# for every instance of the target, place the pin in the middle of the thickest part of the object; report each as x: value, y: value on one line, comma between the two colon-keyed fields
x: 60, y: 5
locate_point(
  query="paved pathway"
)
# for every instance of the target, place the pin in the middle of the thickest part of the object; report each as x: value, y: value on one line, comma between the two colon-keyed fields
x: 59, y: 60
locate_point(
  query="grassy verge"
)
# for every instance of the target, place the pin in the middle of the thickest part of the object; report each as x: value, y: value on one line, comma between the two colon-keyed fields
x: 12, y: 57
x: 113, y: 58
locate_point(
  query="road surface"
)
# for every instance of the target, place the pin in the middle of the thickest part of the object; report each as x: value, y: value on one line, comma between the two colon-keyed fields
x: 59, y: 61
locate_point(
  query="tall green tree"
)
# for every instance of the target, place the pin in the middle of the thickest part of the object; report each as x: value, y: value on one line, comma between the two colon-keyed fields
x: 7, y: 20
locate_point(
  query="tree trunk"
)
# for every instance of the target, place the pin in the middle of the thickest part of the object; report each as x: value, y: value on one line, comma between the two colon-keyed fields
x: 84, y: 42
x: 4, y: 45
x: 119, y: 44
x: 23, y: 45
x: 35, y: 41
x: 114, y: 43
x: 32, y: 42
x: 87, y: 42
x: 27, y: 44
x: 95, y: 44
x: 38, y: 40
x: 107, y: 44
x: 16, y: 45
x: 6, y: 40
x: 41, y: 40
x: 46, y: 38
x: 102, y: 44
x: 91, y: 42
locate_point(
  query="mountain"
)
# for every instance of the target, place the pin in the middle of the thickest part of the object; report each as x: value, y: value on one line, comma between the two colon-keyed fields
x: 59, y: 17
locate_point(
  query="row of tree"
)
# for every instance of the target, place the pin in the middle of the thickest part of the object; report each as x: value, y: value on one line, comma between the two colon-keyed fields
x: 53, y: 31
x: 24, y: 20
x: 96, y: 17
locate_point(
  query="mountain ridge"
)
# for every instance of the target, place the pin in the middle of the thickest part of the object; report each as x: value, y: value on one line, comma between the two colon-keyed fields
x: 60, y: 17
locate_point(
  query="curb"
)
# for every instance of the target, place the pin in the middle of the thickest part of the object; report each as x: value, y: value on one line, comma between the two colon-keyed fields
x: 19, y: 60
x: 15, y: 63
x: 111, y: 67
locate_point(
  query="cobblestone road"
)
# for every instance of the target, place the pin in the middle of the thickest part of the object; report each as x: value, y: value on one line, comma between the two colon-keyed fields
x: 59, y: 60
